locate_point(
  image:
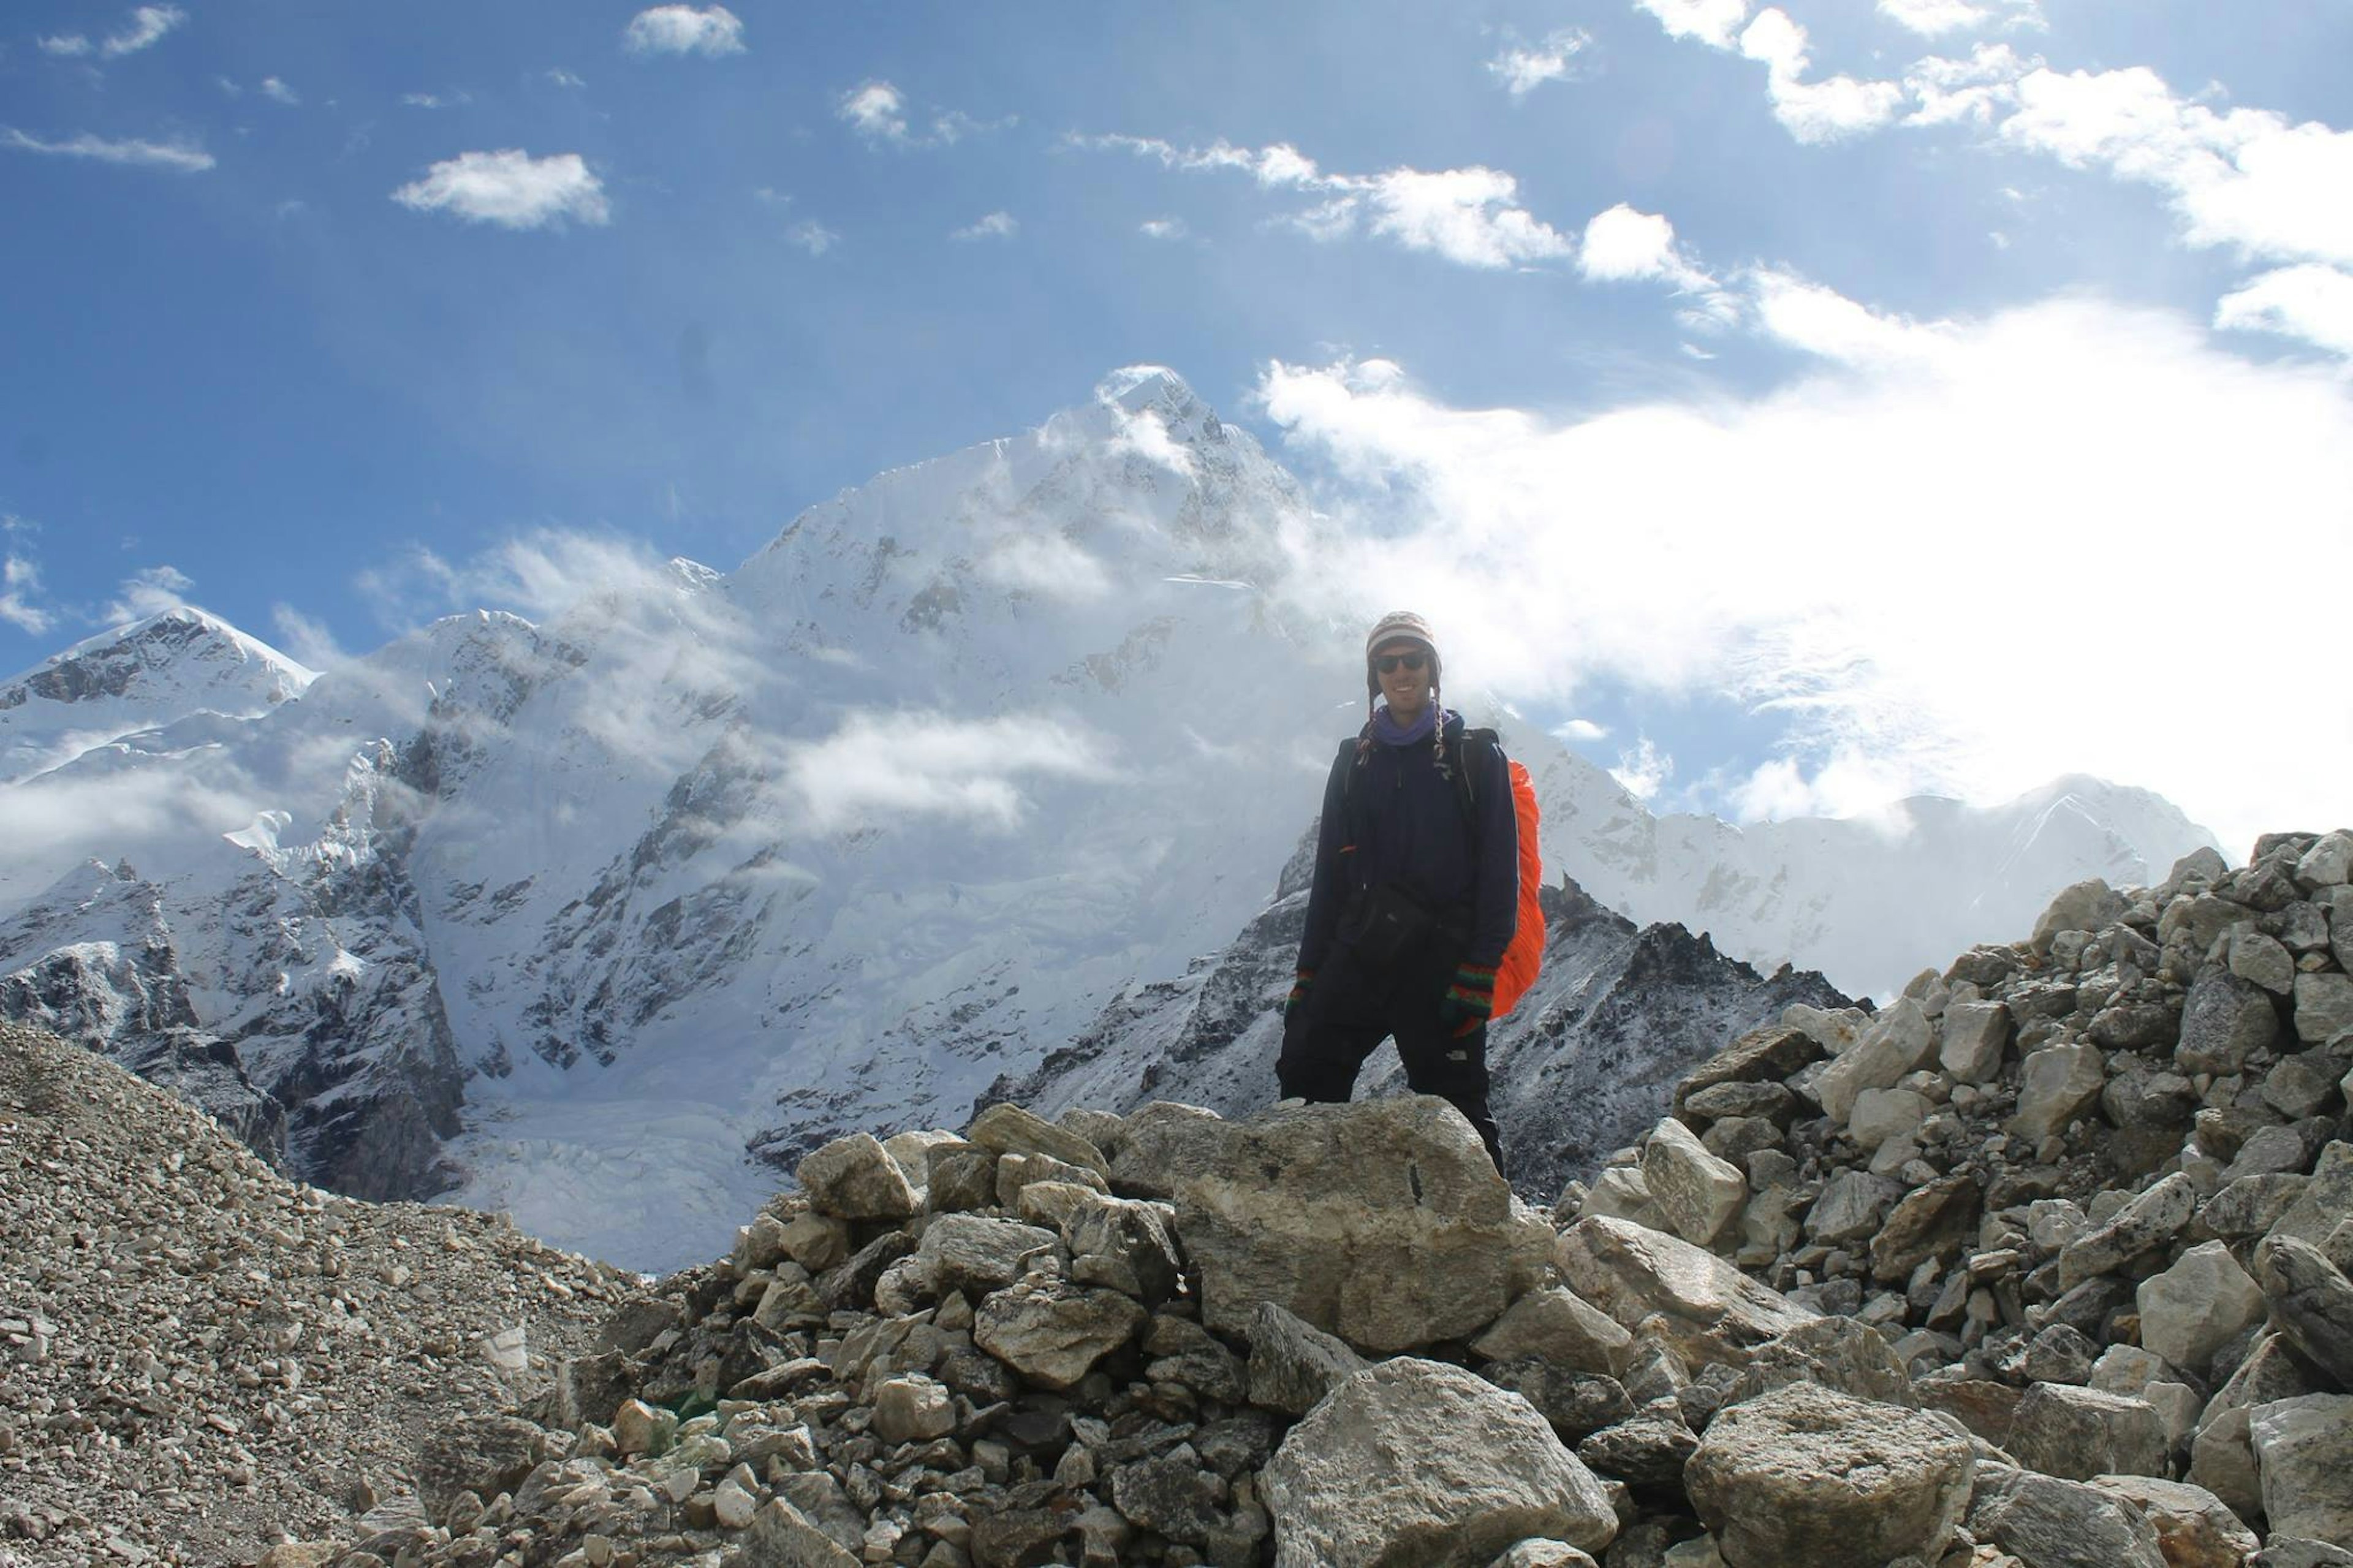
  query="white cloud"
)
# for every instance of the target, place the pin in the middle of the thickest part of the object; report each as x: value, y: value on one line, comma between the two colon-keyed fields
x: 1471, y: 216
x: 65, y: 46
x: 177, y: 157
x: 1823, y: 322
x: 1935, y: 18
x: 1716, y: 23
x: 1643, y: 771
x: 1979, y: 89
x: 1621, y: 245
x: 511, y: 188
x: 1840, y: 553
x: 1162, y: 228
x: 1813, y: 112
x: 20, y: 586
x: 711, y: 31
x: 1523, y: 70
x: 929, y: 765
x: 433, y: 99
x: 305, y: 638
x: 148, y: 25
x: 151, y: 591
x: 2308, y: 302
x: 876, y: 111
x: 996, y: 226
x: 278, y: 91
x: 1581, y: 730
x: 812, y: 237
x: 2246, y: 177
x: 564, y: 78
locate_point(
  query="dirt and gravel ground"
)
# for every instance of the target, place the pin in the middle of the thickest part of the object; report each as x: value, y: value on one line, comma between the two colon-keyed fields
x: 199, y: 1358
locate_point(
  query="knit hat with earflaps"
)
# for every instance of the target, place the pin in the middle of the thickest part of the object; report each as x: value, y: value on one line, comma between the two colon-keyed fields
x: 1400, y: 626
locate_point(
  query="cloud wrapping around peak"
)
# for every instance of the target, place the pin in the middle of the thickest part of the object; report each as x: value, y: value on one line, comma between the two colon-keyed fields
x: 149, y: 24
x: 512, y: 189
x: 931, y: 765
x: 711, y: 32
x: 1814, y: 552
x: 1523, y: 70
x: 176, y: 157
x: 154, y: 591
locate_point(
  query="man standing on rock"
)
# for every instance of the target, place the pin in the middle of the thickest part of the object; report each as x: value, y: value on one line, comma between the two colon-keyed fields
x: 1415, y: 896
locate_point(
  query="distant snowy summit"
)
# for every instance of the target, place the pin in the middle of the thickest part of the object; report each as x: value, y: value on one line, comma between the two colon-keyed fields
x: 137, y: 677
x: 564, y: 917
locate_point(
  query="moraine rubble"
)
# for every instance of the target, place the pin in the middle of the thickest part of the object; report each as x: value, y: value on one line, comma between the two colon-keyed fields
x: 2042, y: 1266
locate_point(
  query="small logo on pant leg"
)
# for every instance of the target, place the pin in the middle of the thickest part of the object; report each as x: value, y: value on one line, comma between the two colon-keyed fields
x: 1462, y: 1056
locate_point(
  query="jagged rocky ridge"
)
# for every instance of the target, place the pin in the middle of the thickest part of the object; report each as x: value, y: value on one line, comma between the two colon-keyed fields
x: 1581, y: 1066
x: 2090, y: 1308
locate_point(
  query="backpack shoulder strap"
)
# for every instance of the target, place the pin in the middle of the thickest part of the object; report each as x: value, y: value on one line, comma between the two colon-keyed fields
x: 1476, y: 744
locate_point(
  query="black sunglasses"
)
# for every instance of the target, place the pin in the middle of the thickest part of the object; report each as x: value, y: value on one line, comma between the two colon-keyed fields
x: 1387, y: 663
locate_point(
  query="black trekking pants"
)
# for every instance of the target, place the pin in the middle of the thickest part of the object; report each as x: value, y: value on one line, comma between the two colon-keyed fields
x: 1349, y: 1013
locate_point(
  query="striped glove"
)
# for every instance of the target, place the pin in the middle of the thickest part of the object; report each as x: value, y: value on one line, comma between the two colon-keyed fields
x: 1470, y: 1001
x: 1296, y: 1003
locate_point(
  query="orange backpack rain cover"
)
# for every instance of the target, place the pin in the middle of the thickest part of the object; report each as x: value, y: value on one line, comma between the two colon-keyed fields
x: 1525, y: 957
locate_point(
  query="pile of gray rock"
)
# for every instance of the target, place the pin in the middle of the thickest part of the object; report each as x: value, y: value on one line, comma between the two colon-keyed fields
x: 2044, y: 1265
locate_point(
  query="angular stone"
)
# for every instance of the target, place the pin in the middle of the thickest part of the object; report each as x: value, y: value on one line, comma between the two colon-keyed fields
x: 1555, y: 1326
x: 483, y: 1454
x: 2329, y: 863
x: 2050, y: 1523
x: 1932, y: 1222
x: 1708, y: 1309
x: 1170, y: 1496
x: 1840, y: 1353
x: 1880, y: 1114
x: 2310, y: 1300
x: 1137, y: 1234
x: 1851, y: 1206
x: 1647, y: 1450
x: 1544, y: 1554
x: 1384, y: 1222
x: 1574, y: 1404
x: 1053, y: 1333
x: 2304, y: 1451
x: 1808, y: 1478
x: 1158, y: 1140
x: 855, y: 1178
x: 2055, y: 1084
x: 1769, y: 1055
x: 2325, y: 1199
x: 969, y: 1252
x: 1972, y: 1038
x: 1984, y: 1406
x: 1740, y: 1101
x: 1009, y: 1130
x: 2195, y: 1529
x: 2299, y: 1085
x: 2086, y: 906
x: 1898, y: 1041
x: 2262, y: 961
x: 1292, y: 1366
x: 964, y: 1178
x: 912, y: 1150
x: 1018, y: 1172
x: 1418, y: 1462
x: 1699, y: 1194
x: 1621, y: 1193
x: 2078, y: 1432
x: 913, y: 1409
x: 2198, y: 1306
x: 2149, y: 1221
x: 2324, y: 1007
x: 2224, y: 1020
x: 782, y: 1536
x: 2249, y: 1206
x: 2282, y: 1552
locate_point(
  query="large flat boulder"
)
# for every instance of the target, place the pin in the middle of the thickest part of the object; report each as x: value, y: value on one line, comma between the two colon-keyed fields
x: 1383, y: 1222
x: 2303, y: 1452
x: 2046, y: 1523
x: 1805, y: 1477
x: 1710, y: 1310
x: 1417, y: 1464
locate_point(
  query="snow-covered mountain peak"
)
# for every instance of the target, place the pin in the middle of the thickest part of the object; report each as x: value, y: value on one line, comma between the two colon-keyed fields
x: 151, y: 672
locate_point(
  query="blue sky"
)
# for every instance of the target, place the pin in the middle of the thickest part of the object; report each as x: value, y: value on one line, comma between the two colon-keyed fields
x: 302, y: 296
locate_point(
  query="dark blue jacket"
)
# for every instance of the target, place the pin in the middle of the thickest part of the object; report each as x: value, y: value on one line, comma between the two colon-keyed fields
x: 1395, y: 820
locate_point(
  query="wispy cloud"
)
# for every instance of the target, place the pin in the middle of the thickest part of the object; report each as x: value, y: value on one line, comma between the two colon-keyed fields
x: 1716, y: 23
x: 1472, y: 217
x: 277, y: 91
x: 889, y: 765
x: 149, y: 24
x: 812, y: 237
x: 512, y: 189
x: 151, y: 591
x: 177, y: 156
x: 21, y: 603
x: 1162, y: 228
x: 1825, y: 111
x: 1521, y: 70
x: 306, y: 637
x: 564, y: 78
x: 66, y: 46
x: 450, y: 98
x: 1643, y: 769
x: 996, y: 226
x: 1935, y: 18
x: 878, y: 111
x: 2310, y: 301
x: 711, y: 31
